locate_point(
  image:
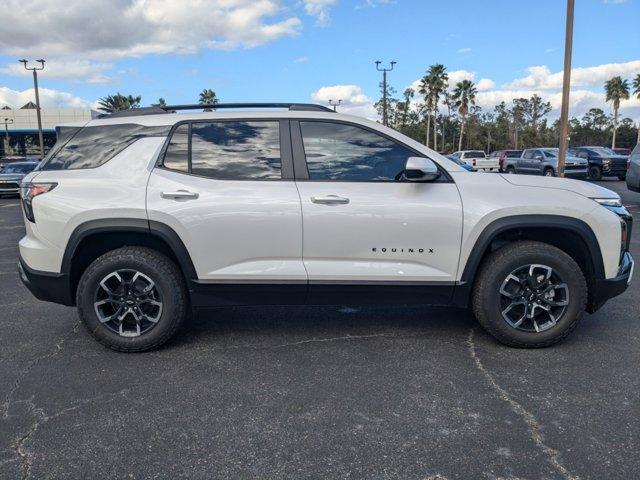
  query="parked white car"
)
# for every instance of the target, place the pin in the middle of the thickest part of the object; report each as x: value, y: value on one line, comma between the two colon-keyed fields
x: 479, y: 160
x: 138, y: 217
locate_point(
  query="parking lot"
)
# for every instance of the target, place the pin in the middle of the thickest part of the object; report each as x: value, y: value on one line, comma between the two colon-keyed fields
x: 316, y: 392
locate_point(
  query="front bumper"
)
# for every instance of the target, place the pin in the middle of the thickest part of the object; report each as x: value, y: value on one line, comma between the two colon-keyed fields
x: 604, y: 289
x: 47, y: 286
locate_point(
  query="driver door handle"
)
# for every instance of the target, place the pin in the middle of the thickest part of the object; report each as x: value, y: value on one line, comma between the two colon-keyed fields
x: 330, y: 200
x: 178, y: 194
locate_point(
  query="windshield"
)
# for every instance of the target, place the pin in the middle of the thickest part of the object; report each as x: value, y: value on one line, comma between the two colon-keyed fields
x: 551, y: 152
x: 18, y: 168
x: 514, y: 153
x: 602, y: 151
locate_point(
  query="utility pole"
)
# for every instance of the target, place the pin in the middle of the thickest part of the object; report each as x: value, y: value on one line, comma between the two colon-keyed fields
x: 7, y: 148
x: 566, y: 84
x: 334, y: 104
x: 35, y: 87
x: 384, y: 88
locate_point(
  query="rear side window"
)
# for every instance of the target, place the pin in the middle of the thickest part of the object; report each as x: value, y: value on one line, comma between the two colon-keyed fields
x: 90, y: 147
x: 236, y: 150
x: 336, y: 151
x: 177, y: 154
x: 227, y: 150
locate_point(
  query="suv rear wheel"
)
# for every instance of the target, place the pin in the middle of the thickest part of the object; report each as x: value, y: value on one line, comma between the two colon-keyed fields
x: 529, y: 294
x: 132, y: 299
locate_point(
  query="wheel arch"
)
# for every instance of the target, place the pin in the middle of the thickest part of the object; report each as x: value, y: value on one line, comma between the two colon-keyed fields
x: 571, y: 235
x: 91, y: 239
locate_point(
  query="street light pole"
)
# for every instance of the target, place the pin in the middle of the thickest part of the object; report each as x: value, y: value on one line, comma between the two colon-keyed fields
x: 35, y: 86
x: 334, y: 104
x: 566, y: 83
x: 384, y: 88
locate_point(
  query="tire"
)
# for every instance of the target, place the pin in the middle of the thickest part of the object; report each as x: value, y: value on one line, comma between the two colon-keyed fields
x: 488, y: 301
x: 154, y: 324
x: 548, y: 172
x: 510, y: 170
x: 595, y: 173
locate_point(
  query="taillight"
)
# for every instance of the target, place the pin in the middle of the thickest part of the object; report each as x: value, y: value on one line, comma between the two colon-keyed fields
x: 473, y: 161
x: 29, y: 191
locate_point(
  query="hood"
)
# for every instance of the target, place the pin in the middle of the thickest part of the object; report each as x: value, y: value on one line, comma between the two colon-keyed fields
x: 576, y: 160
x: 580, y: 187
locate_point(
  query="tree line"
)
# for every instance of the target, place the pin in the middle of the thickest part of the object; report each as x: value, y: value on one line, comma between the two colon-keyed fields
x: 449, y: 119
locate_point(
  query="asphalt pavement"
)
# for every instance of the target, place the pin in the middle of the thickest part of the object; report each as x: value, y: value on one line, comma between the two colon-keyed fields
x: 310, y: 393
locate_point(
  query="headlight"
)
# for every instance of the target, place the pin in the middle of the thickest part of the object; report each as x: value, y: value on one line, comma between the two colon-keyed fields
x: 608, y: 202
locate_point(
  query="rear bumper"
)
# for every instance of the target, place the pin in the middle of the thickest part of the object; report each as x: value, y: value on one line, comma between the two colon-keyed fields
x: 604, y: 289
x: 46, y: 286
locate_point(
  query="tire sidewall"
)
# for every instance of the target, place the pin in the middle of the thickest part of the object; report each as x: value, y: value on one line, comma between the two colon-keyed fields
x: 595, y: 173
x: 167, y: 290
x: 568, y: 272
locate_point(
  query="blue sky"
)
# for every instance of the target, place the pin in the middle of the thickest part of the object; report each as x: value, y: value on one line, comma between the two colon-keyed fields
x: 312, y: 50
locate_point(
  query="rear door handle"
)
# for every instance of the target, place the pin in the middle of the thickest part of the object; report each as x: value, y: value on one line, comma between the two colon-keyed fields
x: 330, y: 200
x: 179, y: 194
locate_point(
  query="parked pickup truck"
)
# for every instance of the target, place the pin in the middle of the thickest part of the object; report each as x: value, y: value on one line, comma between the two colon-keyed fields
x: 478, y: 159
x: 544, y: 161
x: 603, y: 162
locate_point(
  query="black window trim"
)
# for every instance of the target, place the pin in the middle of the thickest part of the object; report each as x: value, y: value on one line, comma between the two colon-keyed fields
x: 286, y: 159
x: 300, y: 162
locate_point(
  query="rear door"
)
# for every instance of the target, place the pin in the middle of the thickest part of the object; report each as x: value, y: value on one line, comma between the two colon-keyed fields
x: 367, y: 231
x: 226, y: 188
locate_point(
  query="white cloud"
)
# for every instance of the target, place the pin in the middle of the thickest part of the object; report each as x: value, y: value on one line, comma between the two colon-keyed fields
x: 485, y: 84
x: 540, y: 77
x: 319, y: 9
x: 48, y: 98
x: 354, y: 100
x: 110, y: 29
x: 614, y: 2
x: 91, y: 72
x: 465, y: 50
x: 301, y: 60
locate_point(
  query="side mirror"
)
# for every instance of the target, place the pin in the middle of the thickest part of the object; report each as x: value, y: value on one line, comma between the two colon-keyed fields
x: 538, y: 156
x: 420, y: 169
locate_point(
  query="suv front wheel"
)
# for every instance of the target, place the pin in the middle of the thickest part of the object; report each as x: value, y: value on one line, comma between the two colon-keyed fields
x: 132, y: 299
x: 529, y: 294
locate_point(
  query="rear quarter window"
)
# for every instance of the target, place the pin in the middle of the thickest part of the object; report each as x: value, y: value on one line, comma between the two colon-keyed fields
x: 90, y: 147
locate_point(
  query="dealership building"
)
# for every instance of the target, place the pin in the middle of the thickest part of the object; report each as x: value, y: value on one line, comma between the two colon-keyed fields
x: 20, y: 127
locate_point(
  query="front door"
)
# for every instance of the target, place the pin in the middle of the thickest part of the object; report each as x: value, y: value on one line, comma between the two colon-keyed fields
x: 227, y: 189
x: 367, y: 227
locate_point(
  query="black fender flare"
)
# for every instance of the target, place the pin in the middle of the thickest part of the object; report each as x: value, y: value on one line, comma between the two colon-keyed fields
x: 135, y: 225
x: 514, y: 222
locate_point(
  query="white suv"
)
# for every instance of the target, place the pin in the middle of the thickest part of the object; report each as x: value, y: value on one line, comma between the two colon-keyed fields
x: 139, y: 217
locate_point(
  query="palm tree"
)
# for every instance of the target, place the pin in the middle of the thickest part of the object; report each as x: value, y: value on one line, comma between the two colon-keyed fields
x: 438, y: 83
x: 616, y: 89
x: 118, y: 102
x: 464, y: 95
x: 161, y: 103
x: 208, y: 97
x: 427, y: 92
x: 636, y: 92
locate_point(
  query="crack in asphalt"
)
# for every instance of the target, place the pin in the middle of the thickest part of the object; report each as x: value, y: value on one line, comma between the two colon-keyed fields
x: 528, y: 417
x: 18, y: 445
x: 58, y: 347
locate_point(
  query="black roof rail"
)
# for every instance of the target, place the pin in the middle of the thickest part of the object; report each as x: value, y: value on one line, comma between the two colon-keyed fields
x: 155, y: 110
x: 218, y: 106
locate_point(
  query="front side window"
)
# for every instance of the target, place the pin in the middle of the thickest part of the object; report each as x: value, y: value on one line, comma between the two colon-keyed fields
x: 236, y: 150
x: 337, y: 151
x: 527, y: 154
